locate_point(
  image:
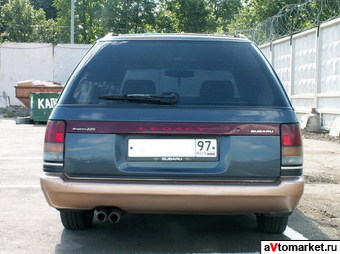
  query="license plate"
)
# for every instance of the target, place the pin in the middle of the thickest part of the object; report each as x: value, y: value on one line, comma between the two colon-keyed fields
x: 172, y: 149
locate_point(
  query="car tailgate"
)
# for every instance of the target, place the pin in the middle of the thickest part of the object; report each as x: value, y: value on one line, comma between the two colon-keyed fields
x: 244, y: 151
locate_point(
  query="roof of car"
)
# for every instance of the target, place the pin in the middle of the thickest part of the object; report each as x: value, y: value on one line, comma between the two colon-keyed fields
x: 175, y: 36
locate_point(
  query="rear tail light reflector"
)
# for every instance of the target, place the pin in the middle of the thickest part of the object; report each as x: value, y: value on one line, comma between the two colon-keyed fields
x: 55, y: 131
x: 291, y: 148
x: 291, y: 151
x: 54, y: 141
x: 291, y: 135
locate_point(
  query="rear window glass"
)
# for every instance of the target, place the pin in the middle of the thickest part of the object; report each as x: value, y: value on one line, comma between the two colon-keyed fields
x: 198, y: 72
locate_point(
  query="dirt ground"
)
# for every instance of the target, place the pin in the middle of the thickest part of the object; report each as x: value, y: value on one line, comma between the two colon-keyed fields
x: 321, y: 199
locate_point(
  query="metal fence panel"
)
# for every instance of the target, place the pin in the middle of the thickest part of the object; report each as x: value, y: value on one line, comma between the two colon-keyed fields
x: 282, y: 62
x: 267, y: 51
x: 329, y: 68
x: 308, y: 65
x: 330, y: 59
x: 304, y: 54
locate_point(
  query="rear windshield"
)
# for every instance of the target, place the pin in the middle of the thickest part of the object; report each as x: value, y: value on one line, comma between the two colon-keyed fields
x: 197, y: 72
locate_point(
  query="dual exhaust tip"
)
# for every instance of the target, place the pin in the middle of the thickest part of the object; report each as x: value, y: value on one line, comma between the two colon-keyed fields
x: 111, y: 214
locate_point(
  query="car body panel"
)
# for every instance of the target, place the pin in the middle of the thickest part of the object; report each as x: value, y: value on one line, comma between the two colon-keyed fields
x: 163, y: 197
x: 239, y: 157
x: 173, y: 114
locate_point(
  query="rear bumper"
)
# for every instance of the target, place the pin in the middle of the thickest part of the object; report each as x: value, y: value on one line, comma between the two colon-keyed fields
x: 193, y: 198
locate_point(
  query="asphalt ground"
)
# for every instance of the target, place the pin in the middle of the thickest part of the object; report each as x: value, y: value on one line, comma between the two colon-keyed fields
x: 29, y: 225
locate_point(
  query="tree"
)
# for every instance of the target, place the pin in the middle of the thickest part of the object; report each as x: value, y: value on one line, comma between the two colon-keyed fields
x: 2, y: 29
x: 267, y: 20
x: 116, y: 16
x: 222, y: 13
x: 142, y: 15
x: 47, y: 6
x: 191, y: 16
x: 22, y: 23
x: 129, y: 16
x: 256, y: 11
x: 88, y: 20
x: 166, y: 21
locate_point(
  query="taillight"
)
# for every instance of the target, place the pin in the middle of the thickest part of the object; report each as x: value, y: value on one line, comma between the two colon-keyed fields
x: 291, y: 153
x: 54, y: 141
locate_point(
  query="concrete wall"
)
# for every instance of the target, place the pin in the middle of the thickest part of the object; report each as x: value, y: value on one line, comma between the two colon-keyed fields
x: 66, y: 58
x: 308, y: 65
x: 25, y: 61
x: 22, y: 61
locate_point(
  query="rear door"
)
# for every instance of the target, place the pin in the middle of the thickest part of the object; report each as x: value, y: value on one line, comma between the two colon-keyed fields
x: 225, y: 124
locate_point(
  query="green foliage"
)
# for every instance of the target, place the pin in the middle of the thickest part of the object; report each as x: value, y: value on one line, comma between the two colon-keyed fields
x: 49, y: 20
x: 87, y: 20
x: 268, y: 20
x: 222, y: 12
x: 63, y: 8
x: 141, y: 15
x: 95, y: 18
x: 115, y: 16
x: 46, y: 5
x: 256, y: 11
x: 22, y: 22
x: 132, y: 16
x: 14, y: 111
x: 190, y: 16
x: 326, y: 9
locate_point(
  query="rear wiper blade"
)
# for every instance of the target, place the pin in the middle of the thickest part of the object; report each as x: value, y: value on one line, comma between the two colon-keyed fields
x: 142, y: 98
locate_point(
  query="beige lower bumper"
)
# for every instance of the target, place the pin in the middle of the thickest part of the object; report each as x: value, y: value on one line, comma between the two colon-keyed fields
x: 195, y: 198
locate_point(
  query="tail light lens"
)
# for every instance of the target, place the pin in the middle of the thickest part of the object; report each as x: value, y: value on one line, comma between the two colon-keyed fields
x: 54, y: 141
x: 291, y: 145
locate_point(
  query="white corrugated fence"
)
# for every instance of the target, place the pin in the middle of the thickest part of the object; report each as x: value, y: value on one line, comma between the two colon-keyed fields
x: 308, y: 65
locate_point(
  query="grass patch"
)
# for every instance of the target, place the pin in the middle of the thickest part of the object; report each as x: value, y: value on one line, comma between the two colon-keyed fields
x: 15, y: 111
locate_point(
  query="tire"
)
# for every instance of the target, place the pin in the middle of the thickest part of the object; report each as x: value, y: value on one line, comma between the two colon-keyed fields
x: 271, y: 224
x: 76, y: 219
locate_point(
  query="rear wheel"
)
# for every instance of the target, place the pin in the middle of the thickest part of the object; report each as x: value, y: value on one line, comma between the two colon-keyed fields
x: 272, y: 223
x: 76, y: 219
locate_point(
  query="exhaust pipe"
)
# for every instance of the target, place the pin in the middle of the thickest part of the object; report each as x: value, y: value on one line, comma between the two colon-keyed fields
x: 114, y: 216
x: 102, y: 214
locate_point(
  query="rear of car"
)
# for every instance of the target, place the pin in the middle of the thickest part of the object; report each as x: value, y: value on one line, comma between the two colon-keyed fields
x: 181, y: 124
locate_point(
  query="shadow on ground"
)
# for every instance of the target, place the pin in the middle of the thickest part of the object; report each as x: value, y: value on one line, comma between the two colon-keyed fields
x: 137, y: 233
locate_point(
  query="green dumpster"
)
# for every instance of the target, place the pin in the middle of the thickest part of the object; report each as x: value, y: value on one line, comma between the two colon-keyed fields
x: 42, y: 105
